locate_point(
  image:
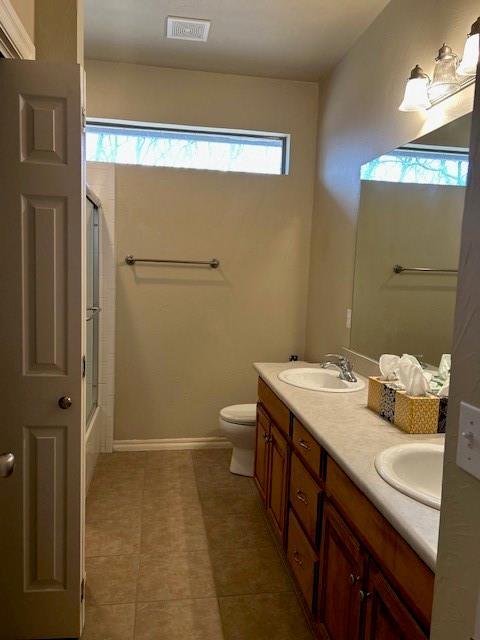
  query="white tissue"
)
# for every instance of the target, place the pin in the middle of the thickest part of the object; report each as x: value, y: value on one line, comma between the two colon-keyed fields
x: 388, y: 364
x: 412, y: 377
x: 445, y: 365
x: 440, y: 385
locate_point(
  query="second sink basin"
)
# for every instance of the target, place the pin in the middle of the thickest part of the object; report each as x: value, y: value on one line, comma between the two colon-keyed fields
x: 415, y: 469
x: 316, y: 379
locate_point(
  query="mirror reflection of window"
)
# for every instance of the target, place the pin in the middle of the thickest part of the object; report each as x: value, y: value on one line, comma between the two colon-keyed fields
x: 411, y: 210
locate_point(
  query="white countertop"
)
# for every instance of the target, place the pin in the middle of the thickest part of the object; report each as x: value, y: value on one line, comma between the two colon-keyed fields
x: 353, y: 435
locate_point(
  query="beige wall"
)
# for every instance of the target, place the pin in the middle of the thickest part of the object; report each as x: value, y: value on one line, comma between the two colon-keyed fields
x: 359, y: 120
x: 186, y: 338
x: 413, y: 225
x: 59, y: 30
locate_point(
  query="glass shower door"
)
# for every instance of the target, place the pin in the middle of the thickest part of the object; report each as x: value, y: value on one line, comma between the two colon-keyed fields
x: 93, y: 310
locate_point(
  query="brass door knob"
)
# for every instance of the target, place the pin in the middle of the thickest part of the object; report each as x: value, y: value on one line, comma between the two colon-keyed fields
x: 65, y: 402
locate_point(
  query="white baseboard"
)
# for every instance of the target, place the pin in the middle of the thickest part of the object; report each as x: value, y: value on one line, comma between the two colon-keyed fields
x: 168, y: 444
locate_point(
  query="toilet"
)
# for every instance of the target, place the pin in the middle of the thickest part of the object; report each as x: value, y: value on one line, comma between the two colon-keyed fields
x: 237, y: 424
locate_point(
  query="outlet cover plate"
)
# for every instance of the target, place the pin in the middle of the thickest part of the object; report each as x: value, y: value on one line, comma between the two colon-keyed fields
x: 468, y: 448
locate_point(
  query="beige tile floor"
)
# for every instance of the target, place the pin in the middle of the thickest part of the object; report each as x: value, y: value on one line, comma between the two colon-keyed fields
x: 178, y: 548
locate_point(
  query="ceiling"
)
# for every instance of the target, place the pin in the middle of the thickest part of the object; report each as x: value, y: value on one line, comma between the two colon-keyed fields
x: 298, y: 39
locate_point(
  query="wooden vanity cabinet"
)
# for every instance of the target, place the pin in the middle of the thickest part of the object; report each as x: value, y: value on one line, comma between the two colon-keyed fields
x: 358, y: 577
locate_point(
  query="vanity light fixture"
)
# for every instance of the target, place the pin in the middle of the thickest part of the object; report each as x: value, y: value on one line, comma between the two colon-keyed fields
x: 468, y: 65
x: 416, y: 91
x: 450, y: 75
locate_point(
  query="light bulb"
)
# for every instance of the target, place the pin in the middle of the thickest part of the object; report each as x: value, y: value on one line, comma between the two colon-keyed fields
x: 471, y: 53
x: 416, y: 91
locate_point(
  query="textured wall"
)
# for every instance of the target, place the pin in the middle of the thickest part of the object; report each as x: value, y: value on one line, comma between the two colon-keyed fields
x: 358, y: 121
x: 186, y: 338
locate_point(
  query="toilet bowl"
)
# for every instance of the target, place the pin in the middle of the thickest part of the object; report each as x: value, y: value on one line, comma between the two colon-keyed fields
x: 237, y: 424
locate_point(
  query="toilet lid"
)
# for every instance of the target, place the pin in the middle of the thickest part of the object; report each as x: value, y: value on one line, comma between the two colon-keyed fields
x: 240, y: 413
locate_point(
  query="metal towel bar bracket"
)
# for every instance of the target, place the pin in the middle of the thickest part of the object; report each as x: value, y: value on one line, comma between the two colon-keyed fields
x: 397, y: 268
x: 213, y: 263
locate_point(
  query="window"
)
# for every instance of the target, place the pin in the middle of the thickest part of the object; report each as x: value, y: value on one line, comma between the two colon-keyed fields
x: 185, y: 148
x: 419, y: 166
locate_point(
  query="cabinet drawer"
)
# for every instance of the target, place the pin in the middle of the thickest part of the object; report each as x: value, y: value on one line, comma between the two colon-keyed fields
x: 306, y: 447
x: 275, y: 407
x: 302, y: 559
x: 305, y: 497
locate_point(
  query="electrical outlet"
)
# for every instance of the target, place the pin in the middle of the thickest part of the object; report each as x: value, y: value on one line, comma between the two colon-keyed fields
x: 349, y: 319
x: 468, y: 448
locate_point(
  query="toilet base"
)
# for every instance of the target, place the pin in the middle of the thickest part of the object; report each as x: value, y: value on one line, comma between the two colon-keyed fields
x: 242, y: 462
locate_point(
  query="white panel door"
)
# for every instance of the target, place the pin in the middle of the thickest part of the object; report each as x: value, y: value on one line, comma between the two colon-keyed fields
x: 41, y: 320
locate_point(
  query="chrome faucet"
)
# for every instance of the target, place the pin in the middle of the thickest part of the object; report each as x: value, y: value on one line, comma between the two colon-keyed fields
x: 345, y: 366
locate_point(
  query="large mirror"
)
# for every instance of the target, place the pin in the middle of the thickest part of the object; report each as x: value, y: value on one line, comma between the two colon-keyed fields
x: 408, y: 244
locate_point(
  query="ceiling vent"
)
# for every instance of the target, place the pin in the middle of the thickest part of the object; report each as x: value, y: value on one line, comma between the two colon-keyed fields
x: 187, y: 29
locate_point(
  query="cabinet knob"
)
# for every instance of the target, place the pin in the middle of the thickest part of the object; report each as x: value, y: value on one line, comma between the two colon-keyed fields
x: 364, y: 595
x: 298, y: 558
x: 353, y: 579
x: 301, y: 496
x: 304, y: 444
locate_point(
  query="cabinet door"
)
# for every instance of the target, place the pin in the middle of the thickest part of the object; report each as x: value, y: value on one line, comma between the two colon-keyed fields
x: 261, y: 452
x: 277, y: 490
x: 387, y: 617
x: 341, y: 577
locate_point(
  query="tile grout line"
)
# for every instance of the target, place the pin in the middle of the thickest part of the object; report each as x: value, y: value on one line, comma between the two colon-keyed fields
x: 139, y: 551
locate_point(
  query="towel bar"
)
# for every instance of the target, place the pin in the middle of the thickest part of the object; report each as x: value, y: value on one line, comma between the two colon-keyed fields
x: 213, y: 263
x: 397, y: 268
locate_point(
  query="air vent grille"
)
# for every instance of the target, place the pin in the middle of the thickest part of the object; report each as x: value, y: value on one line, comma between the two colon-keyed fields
x: 187, y: 29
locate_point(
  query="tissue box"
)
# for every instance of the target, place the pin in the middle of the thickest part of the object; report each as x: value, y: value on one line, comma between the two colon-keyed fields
x: 388, y: 402
x: 381, y: 397
x: 375, y: 390
x: 417, y: 415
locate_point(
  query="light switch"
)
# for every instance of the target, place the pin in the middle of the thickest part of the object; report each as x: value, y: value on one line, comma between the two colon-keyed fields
x: 349, y: 319
x: 468, y: 448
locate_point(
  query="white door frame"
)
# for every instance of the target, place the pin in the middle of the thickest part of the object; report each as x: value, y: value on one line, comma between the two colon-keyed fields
x: 14, y: 39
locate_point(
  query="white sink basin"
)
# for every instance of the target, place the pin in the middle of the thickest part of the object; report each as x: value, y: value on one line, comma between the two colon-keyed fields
x: 415, y: 469
x: 316, y: 379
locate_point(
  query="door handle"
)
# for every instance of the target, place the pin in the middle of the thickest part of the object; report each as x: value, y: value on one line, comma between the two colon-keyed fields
x: 65, y: 402
x: 7, y: 464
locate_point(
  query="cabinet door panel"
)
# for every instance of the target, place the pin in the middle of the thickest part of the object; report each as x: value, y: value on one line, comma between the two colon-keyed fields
x: 261, y: 452
x: 277, y: 490
x: 387, y: 617
x: 341, y: 577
